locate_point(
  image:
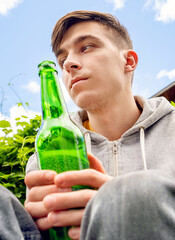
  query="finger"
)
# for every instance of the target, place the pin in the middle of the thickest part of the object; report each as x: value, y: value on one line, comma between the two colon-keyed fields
x: 95, y: 163
x: 66, y: 218
x: 68, y: 200
x: 39, y: 192
x: 43, y: 224
x: 86, y: 177
x: 74, y: 233
x: 36, y: 209
x: 39, y: 177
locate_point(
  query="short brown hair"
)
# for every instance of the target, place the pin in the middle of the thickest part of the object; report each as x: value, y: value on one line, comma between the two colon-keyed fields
x: 105, y: 19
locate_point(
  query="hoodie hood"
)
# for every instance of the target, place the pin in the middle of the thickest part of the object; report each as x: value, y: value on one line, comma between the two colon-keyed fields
x: 153, y: 110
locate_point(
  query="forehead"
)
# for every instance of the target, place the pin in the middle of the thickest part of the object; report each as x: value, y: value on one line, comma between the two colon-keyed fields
x: 89, y: 28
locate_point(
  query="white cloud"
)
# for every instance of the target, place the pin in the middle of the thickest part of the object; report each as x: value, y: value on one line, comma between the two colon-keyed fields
x: 32, y: 87
x: 167, y: 12
x: 165, y: 9
x: 16, y: 111
x: 7, y: 5
x: 118, y: 4
x: 165, y: 73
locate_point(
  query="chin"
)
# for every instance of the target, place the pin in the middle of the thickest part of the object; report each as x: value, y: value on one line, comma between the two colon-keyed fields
x: 87, y: 102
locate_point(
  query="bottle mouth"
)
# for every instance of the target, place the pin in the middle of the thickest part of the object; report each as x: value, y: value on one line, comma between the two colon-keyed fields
x: 47, y: 66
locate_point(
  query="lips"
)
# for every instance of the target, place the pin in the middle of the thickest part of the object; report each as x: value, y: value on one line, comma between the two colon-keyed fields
x: 77, y: 79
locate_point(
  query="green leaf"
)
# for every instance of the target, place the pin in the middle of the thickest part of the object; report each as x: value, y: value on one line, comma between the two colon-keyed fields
x: 19, y: 139
x: 4, y: 124
x: 18, y: 195
x: 9, y: 185
x: 22, y: 124
x: 7, y: 164
x: 19, y: 104
x: 172, y: 103
x: 30, y: 140
x: 17, y: 119
x: 38, y: 118
x: 4, y: 176
x: 24, y: 116
x: 7, y: 131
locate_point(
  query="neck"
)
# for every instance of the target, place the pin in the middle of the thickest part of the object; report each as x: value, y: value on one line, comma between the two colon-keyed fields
x: 113, y: 121
x: 53, y: 104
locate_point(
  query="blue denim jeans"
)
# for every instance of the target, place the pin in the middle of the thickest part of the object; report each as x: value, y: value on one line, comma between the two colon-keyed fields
x: 15, y: 222
x: 135, y: 206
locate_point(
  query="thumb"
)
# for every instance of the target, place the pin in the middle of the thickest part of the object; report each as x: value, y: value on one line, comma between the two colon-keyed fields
x: 95, y: 163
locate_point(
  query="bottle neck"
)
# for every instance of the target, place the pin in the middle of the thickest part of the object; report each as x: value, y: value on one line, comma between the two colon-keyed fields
x: 53, y: 105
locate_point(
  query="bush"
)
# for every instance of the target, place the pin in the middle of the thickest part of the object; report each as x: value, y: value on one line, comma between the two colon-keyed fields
x: 15, y: 151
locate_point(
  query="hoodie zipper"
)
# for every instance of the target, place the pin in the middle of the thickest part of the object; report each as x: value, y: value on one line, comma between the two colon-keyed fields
x: 115, y: 172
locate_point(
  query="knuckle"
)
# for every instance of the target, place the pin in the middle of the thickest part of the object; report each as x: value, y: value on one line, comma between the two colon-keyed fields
x: 32, y: 193
x: 93, y: 175
x: 39, y: 225
x: 88, y: 195
x: 27, y: 178
x: 62, y: 221
x: 27, y: 207
x: 43, y: 224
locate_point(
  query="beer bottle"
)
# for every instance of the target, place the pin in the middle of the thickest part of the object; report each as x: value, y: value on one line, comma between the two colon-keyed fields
x: 60, y: 144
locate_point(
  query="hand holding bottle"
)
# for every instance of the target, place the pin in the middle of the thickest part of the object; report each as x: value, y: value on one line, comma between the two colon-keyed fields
x: 57, y: 200
x: 40, y: 184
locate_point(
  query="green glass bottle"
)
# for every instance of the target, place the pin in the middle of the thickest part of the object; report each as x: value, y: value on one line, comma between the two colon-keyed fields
x: 60, y: 144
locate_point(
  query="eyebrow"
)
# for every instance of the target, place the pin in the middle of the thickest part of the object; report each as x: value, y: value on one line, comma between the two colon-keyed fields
x: 79, y: 40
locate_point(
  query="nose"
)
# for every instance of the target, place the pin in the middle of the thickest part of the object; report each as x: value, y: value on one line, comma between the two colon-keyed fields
x: 71, y: 64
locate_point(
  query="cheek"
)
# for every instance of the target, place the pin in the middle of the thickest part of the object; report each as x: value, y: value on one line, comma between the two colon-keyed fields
x: 105, y: 63
x: 65, y: 80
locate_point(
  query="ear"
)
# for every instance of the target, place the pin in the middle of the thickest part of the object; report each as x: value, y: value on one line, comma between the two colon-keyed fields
x: 131, y: 61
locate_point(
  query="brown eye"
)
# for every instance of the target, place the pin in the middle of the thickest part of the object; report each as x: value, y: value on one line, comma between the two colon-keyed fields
x: 61, y: 62
x: 86, y: 47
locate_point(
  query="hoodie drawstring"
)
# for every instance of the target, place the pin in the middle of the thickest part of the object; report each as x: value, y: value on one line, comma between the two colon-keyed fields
x: 142, y: 145
x: 88, y: 142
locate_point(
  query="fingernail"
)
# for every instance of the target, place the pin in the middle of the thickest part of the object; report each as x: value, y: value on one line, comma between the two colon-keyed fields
x: 49, y: 202
x: 73, y: 233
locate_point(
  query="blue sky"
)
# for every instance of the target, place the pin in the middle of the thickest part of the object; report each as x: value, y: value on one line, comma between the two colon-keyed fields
x: 25, y: 32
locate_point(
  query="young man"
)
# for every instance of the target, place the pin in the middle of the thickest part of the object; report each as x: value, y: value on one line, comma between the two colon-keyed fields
x: 131, y: 139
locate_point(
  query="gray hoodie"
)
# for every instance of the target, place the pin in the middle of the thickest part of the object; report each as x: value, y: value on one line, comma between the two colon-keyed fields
x: 149, y: 144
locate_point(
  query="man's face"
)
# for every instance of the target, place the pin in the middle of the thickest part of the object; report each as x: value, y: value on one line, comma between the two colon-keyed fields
x: 92, y: 65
